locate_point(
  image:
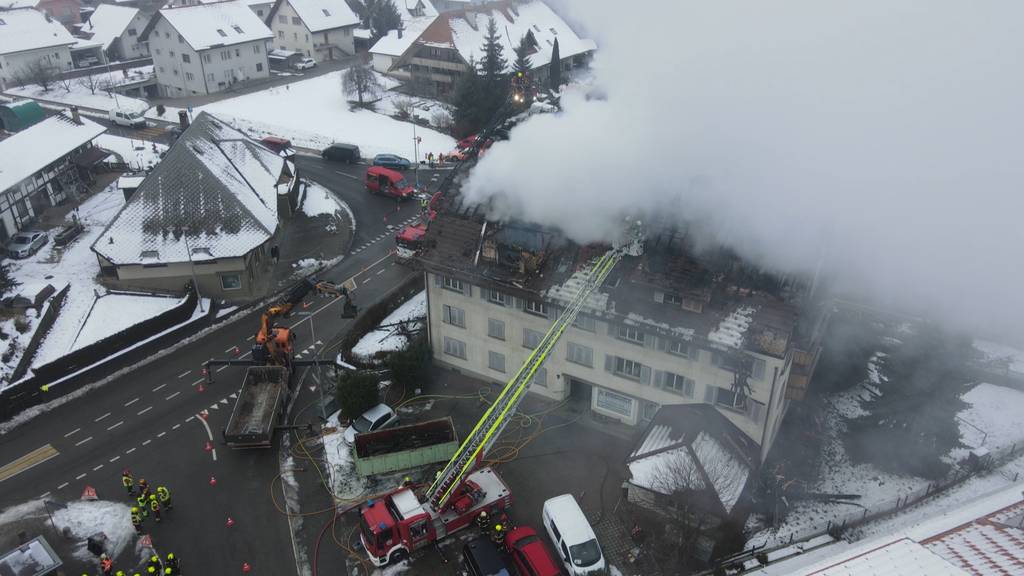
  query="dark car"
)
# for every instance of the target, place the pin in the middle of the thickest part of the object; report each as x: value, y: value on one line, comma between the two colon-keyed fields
x: 25, y: 244
x: 342, y: 153
x: 483, y: 558
x: 282, y: 146
x: 391, y: 161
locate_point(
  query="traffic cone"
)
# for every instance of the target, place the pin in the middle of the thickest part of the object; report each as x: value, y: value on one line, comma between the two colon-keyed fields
x: 213, y: 481
x: 204, y: 414
x: 246, y: 568
x: 205, y: 372
x: 236, y: 350
x: 209, y: 446
x: 200, y: 388
x: 230, y: 522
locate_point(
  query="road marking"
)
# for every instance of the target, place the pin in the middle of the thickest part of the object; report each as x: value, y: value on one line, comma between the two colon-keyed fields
x: 144, y: 410
x: 112, y: 426
x: 183, y: 374
x: 62, y: 486
x: 159, y: 387
x: 230, y: 350
x: 146, y: 443
x: 102, y: 417
x: 176, y: 426
x: 233, y: 395
x: 382, y: 270
x: 80, y: 442
x: 349, y: 176
x: 222, y: 368
x: 197, y: 382
x: 129, y: 451
x: 223, y: 400
x: 209, y: 435
x: 130, y: 402
x: 80, y: 476
x: 43, y: 495
x: 114, y: 459
x: 190, y: 418
x: 173, y: 395
x: 249, y: 338
x: 97, y: 467
x: 214, y: 407
x: 72, y: 432
x: 33, y: 458
x: 162, y: 434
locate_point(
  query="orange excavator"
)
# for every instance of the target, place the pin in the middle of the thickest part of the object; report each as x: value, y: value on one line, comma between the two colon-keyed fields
x: 274, y: 343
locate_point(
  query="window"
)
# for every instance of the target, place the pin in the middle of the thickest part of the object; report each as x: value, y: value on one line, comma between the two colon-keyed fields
x: 585, y: 323
x: 157, y: 51
x: 296, y: 20
x: 170, y: 53
x: 496, y: 297
x: 536, y: 307
x: 180, y: 39
x: 231, y: 282
x: 680, y: 348
x: 725, y: 361
x: 238, y: 52
x: 679, y: 384
x: 175, y: 71
x: 670, y: 298
x: 282, y: 19
x: 540, y: 377
x: 452, y: 284
x: 186, y: 58
x: 454, y: 316
x: 579, y: 354
x: 255, y: 48
x: 189, y: 76
x: 614, y: 402
x: 210, y: 77
x: 259, y: 67
x: 496, y: 361
x: 295, y: 36
x: 132, y: 32
x: 222, y: 33
x: 727, y: 398
x: 757, y: 369
x: 280, y: 34
x: 207, y: 57
x: 755, y: 410
x: 167, y: 34
x: 237, y: 28
x: 259, y: 12
x: 324, y: 10
x: 531, y: 338
x: 495, y: 329
x: 630, y: 334
x: 627, y: 368
x: 161, y: 69
x: 453, y: 347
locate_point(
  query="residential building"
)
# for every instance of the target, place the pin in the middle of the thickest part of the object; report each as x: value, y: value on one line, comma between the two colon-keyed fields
x: 666, y: 328
x: 320, y: 29
x: 386, y: 52
x: 67, y: 12
x: 207, y: 48
x: 260, y: 7
x: 118, y: 29
x: 210, y: 211
x: 442, y: 51
x: 39, y: 167
x: 29, y: 38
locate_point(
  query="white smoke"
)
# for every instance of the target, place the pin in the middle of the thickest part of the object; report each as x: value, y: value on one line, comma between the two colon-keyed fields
x: 884, y: 136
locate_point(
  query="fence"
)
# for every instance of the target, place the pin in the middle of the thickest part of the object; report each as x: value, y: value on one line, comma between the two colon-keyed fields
x: 46, y: 321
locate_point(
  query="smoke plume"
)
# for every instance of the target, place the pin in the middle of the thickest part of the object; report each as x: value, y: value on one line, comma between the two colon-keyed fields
x: 881, y: 138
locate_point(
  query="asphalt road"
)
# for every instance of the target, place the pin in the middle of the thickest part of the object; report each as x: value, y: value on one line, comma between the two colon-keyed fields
x: 146, y: 421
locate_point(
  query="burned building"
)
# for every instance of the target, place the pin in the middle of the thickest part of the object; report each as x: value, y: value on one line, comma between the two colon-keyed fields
x: 667, y: 326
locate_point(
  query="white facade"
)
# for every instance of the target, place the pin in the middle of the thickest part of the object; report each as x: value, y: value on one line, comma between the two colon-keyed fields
x: 624, y: 379
x: 183, y: 71
x: 129, y: 45
x: 292, y: 32
x: 14, y: 65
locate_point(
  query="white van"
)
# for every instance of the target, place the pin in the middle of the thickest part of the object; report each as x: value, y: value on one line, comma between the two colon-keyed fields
x: 130, y: 118
x: 574, y: 539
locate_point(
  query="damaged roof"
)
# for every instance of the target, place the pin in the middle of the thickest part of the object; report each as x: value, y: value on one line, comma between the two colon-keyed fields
x: 215, y: 192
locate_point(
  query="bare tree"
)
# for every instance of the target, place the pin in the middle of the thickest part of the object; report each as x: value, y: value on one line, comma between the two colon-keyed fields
x: 92, y: 83
x: 360, y: 82
x: 40, y: 73
x: 65, y: 82
x: 442, y: 120
x: 404, y: 106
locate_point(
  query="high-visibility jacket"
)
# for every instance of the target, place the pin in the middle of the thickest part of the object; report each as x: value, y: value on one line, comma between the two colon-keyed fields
x: 136, y: 518
x: 154, y: 505
x: 141, y: 500
x: 163, y: 494
x: 127, y: 480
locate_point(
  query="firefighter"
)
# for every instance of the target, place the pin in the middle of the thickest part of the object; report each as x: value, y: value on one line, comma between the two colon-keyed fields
x: 498, y: 536
x: 137, y: 519
x: 128, y: 482
x: 406, y: 482
x: 482, y: 521
x: 143, y: 504
x: 165, y: 497
x: 154, y: 505
x: 154, y: 564
x: 144, y: 487
x: 106, y: 564
x: 151, y: 570
x: 173, y: 564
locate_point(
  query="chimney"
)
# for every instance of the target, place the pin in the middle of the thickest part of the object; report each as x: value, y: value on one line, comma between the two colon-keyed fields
x: 183, y: 119
x: 75, y: 117
x: 399, y: 32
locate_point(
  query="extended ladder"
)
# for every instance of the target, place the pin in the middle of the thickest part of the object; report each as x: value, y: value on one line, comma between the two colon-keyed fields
x: 497, y: 415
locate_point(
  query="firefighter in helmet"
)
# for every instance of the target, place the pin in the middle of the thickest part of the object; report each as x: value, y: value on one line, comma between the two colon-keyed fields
x: 137, y: 519
x: 482, y: 521
x: 498, y: 536
x: 165, y: 497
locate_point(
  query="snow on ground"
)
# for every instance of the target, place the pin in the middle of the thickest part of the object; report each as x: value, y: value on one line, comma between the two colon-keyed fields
x: 996, y: 351
x: 318, y: 200
x: 992, y: 420
x: 314, y: 113
x: 170, y: 114
x: 86, y: 518
x: 138, y: 154
x: 345, y: 482
x: 112, y: 313
x: 79, y: 95
x: 388, y: 339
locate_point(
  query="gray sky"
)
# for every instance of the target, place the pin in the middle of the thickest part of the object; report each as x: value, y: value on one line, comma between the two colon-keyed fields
x: 885, y: 135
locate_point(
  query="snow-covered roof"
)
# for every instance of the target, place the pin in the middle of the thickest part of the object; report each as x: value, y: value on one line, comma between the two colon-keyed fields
x: 32, y: 149
x: 215, y: 192
x: 731, y: 329
x: 27, y: 29
x: 900, y: 558
x: 416, y: 17
x: 217, y: 24
x: 465, y: 31
x: 994, y: 542
x: 108, y: 22
x: 320, y: 15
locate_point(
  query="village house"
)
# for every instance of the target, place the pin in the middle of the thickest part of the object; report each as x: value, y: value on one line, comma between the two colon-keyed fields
x: 386, y: 52
x: 207, y: 48
x: 210, y: 211
x: 67, y: 12
x: 29, y: 39
x: 259, y: 7
x: 118, y: 29
x: 320, y: 29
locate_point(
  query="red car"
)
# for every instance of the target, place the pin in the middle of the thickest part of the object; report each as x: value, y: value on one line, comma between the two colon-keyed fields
x: 530, y: 555
x: 466, y: 142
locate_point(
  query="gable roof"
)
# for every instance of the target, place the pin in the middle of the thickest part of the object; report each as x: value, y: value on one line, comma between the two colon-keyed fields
x: 465, y: 30
x: 205, y: 26
x: 320, y: 15
x: 412, y: 27
x: 215, y: 192
x: 32, y: 149
x: 108, y: 22
x: 26, y: 29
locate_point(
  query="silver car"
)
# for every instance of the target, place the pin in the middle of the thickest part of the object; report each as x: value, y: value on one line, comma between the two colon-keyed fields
x: 27, y: 243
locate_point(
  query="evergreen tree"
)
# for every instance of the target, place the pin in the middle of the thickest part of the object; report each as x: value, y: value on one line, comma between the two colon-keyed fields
x: 469, y: 103
x: 555, y: 69
x: 492, y: 65
x: 522, y: 61
x: 385, y: 18
x: 7, y: 281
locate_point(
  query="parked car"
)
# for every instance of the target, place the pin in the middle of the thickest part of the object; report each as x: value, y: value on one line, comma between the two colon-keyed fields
x: 87, y: 61
x: 380, y: 416
x: 381, y: 180
x: 341, y: 153
x: 392, y: 161
x: 530, y: 554
x: 572, y: 535
x: 305, y: 64
x: 282, y: 146
x: 25, y: 244
x: 483, y: 558
x: 129, y: 118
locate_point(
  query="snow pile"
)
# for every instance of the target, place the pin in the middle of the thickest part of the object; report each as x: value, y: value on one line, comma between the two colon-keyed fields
x: 85, y: 518
x: 386, y: 337
x: 112, y: 313
x: 138, y: 154
x: 730, y: 331
x: 319, y: 200
x: 727, y: 473
x: 995, y: 352
x: 80, y: 95
x: 314, y: 113
x: 346, y: 484
x: 993, y: 419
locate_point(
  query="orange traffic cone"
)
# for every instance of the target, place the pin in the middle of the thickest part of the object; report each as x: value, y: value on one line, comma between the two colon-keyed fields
x: 213, y: 481
x: 209, y: 446
x: 246, y: 568
x: 230, y: 522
